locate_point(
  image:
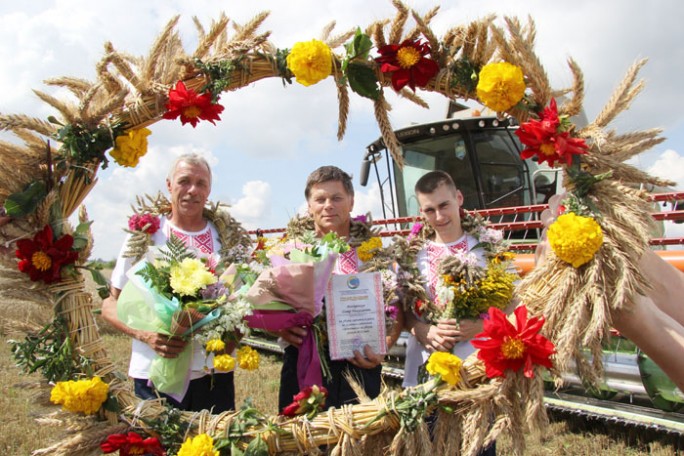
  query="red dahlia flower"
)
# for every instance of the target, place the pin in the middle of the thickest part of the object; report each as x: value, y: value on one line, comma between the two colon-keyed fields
x: 132, y: 444
x: 307, y: 402
x: 504, y: 346
x: 145, y: 222
x: 42, y: 257
x: 407, y: 63
x: 190, y: 106
x: 549, y: 139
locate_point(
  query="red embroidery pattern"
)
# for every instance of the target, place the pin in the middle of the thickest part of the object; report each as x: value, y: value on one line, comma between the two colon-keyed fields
x: 348, y: 262
x: 435, y: 252
x: 203, y: 241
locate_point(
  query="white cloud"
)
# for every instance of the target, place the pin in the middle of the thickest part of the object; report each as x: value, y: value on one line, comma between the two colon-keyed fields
x: 669, y: 165
x: 254, y: 205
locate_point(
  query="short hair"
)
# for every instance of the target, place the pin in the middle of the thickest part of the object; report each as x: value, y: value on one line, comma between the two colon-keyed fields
x: 429, y: 182
x: 191, y: 158
x: 327, y: 174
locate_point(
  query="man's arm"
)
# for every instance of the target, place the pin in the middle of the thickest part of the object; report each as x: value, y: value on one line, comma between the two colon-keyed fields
x: 164, y: 346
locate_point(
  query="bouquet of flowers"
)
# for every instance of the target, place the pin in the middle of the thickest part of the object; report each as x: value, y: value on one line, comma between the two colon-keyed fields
x: 290, y: 293
x: 466, y: 290
x: 179, y: 293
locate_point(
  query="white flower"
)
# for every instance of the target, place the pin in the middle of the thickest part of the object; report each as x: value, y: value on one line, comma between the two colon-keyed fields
x: 490, y: 236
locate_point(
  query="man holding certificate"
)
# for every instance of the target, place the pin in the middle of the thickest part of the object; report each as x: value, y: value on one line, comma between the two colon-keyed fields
x: 355, y: 309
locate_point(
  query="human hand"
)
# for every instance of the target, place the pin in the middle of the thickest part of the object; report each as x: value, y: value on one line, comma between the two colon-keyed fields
x: 469, y: 328
x: 368, y: 360
x: 293, y: 336
x: 442, y: 336
x: 163, y: 345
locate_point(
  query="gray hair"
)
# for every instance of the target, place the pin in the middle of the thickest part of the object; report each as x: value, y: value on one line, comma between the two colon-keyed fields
x: 191, y: 158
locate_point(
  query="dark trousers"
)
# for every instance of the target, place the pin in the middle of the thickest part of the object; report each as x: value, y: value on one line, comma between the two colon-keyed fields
x: 204, y: 393
x: 339, y: 390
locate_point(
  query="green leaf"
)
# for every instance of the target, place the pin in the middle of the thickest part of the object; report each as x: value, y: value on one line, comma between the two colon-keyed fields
x: 257, y: 447
x: 112, y: 404
x: 360, y: 46
x: 83, y: 228
x: 25, y: 202
x: 362, y: 80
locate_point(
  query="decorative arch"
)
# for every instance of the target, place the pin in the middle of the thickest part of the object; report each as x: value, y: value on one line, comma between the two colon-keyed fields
x: 45, y: 177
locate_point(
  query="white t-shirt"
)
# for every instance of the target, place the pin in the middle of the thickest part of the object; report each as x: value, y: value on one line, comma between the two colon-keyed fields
x: 416, y: 354
x: 205, y: 241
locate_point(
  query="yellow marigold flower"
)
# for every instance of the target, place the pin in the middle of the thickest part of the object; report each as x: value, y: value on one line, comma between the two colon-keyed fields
x: 367, y: 250
x: 310, y: 61
x: 130, y: 147
x: 446, y: 365
x: 215, y: 345
x: 200, y: 445
x: 575, y: 239
x: 501, y: 86
x: 224, y: 363
x: 248, y: 358
x: 189, y: 276
x: 85, y: 396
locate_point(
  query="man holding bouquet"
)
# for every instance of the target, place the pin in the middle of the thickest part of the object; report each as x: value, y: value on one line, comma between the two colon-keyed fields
x: 446, y: 246
x: 189, y: 185
x: 329, y: 194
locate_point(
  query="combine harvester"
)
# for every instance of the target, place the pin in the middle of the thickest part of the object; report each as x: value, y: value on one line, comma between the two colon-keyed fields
x: 483, y: 156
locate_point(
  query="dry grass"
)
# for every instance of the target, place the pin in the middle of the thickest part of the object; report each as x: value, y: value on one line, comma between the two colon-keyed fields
x: 30, y: 421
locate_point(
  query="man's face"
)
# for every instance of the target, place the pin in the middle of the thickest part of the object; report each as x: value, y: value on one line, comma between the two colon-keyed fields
x: 189, y: 189
x: 441, y: 210
x: 330, y: 205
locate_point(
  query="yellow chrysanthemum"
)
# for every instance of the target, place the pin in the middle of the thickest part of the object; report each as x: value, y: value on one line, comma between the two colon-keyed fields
x: 310, y: 61
x: 85, y: 396
x: 130, y: 147
x: 224, y: 363
x: 189, y: 276
x: 200, y: 445
x: 366, y: 251
x: 248, y: 358
x: 215, y: 345
x: 575, y: 239
x: 447, y: 365
x: 501, y: 86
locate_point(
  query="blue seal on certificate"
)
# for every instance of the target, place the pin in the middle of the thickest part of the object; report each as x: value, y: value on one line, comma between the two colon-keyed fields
x: 353, y: 282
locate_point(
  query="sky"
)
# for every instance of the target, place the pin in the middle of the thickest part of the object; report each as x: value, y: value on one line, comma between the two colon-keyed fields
x: 271, y: 137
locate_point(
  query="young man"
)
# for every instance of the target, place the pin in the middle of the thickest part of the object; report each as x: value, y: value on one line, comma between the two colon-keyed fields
x: 440, y: 204
x: 329, y: 194
x: 189, y: 185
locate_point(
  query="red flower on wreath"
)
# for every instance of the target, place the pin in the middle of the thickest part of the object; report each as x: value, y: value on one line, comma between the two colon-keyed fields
x: 143, y: 222
x: 408, y: 64
x: 549, y: 138
x: 190, y: 106
x: 42, y: 257
x: 504, y: 346
x: 308, y: 401
x: 132, y: 444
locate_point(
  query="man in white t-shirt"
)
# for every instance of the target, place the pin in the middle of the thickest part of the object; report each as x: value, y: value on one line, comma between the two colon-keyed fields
x: 189, y: 184
x: 440, y: 203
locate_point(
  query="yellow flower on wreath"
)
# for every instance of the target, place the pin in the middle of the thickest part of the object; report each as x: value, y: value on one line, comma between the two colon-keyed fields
x: 367, y: 250
x: 447, y: 365
x: 130, y: 147
x: 224, y: 363
x: 189, y: 276
x: 575, y: 239
x: 248, y: 358
x: 310, y: 61
x: 200, y: 445
x: 501, y: 86
x: 76, y: 396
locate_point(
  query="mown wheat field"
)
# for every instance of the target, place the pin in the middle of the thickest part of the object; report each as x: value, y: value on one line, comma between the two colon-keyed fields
x: 30, y: 422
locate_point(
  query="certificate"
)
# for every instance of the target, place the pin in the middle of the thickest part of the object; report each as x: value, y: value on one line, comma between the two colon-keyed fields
x: 355, y: 314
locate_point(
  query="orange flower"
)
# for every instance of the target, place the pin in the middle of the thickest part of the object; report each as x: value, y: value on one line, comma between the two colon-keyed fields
x: 190, y: 106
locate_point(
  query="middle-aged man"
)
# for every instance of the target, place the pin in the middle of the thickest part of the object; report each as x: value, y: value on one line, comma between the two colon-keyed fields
x: 329, y: 195
x: 189, y: 185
